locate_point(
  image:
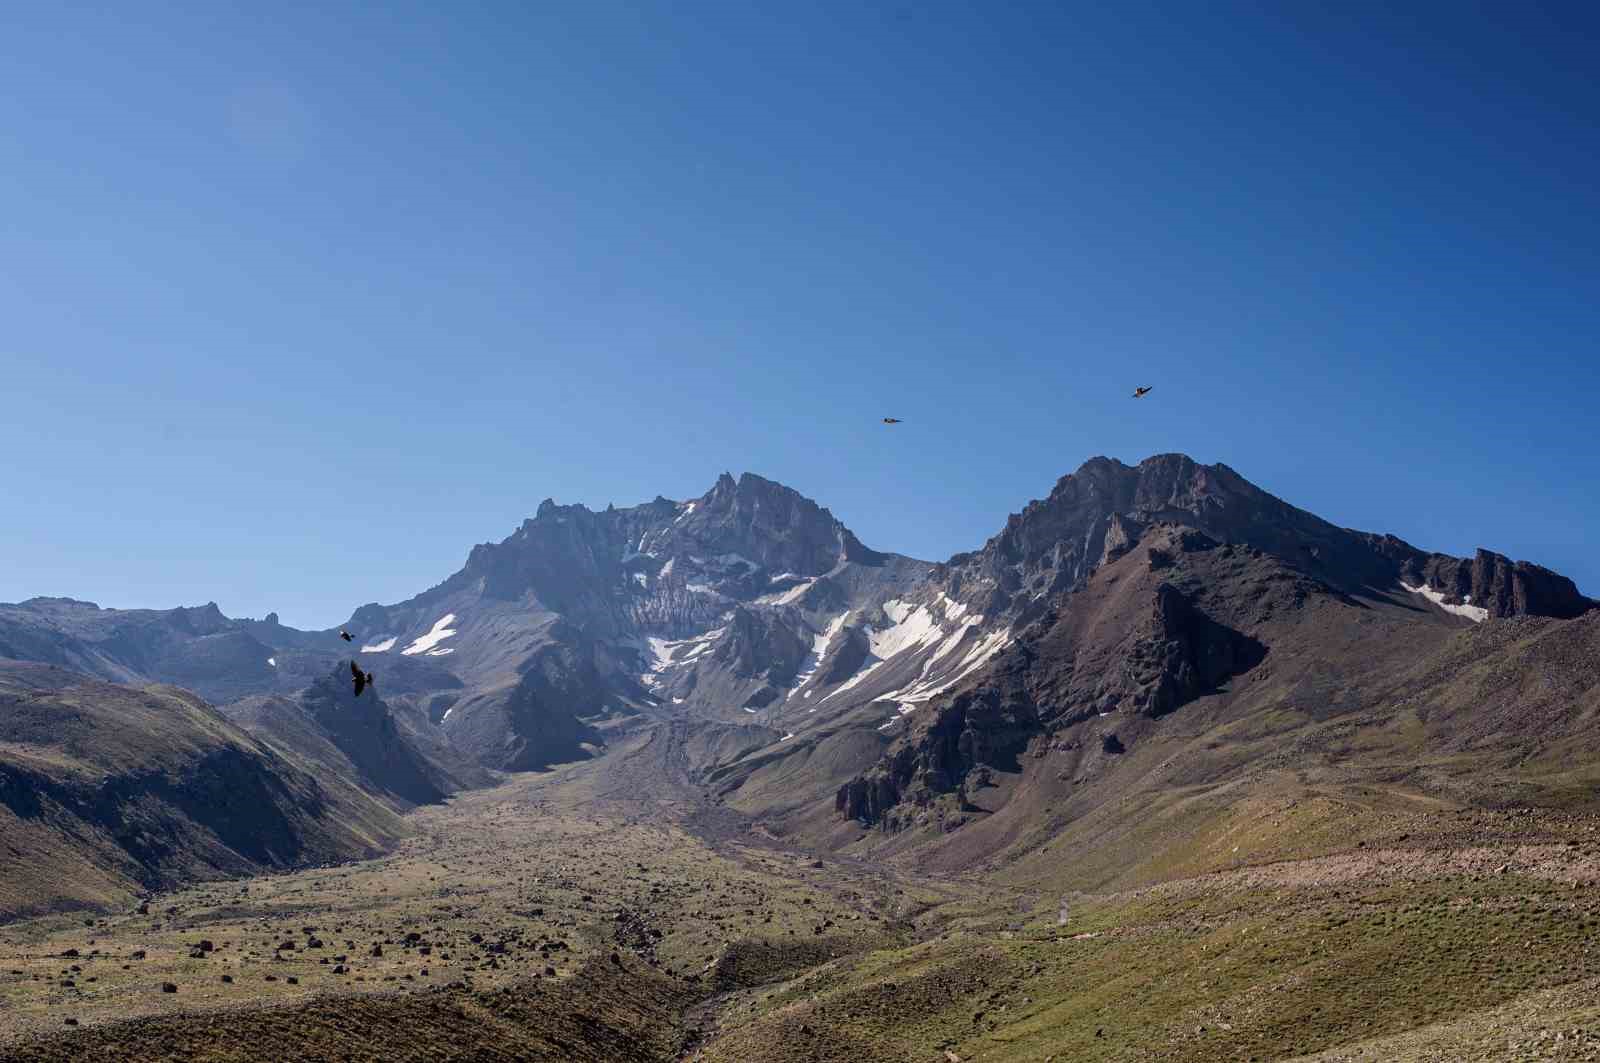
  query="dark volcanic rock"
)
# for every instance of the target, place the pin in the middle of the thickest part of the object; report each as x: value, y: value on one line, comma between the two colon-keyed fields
x: 365, y: 731
x: 1143, y: 647
x: 1498, y: 584
x: 1178, y: 654
x: 1094, y: 516
x: 539, y: 722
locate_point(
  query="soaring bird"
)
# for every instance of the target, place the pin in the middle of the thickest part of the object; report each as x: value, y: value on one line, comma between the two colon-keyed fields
x: 891, y: 420
x: 1140, y: 393
x: 362, y: 679
x: 345, y: 635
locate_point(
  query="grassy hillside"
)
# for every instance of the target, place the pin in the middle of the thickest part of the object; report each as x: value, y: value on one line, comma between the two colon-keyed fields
x: 107, y: 790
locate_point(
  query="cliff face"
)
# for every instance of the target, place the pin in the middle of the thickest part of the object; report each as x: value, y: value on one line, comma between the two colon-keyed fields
x: 367, y: 733
x: 1499, y: 586
x: 538, y: 721
x: 1091, y: 516
x: 1136, y: 642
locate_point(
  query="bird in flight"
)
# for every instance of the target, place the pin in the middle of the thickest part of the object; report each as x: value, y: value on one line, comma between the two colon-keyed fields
x: 345, y: 635
x: 1140, y: 393
x: 362, y: 679
x: 891, y: 420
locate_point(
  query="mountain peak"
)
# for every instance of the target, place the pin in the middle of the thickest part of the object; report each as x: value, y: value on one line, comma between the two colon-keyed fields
x: 768, y: 521
x: 1055, y: 543
x: 42, y: 602
x: 749, y: 481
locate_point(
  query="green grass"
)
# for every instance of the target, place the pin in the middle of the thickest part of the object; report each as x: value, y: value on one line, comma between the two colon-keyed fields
x: 1216, y: 975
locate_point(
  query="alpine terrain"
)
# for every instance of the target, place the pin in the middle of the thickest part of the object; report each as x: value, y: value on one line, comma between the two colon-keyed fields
x: 1166, y: 769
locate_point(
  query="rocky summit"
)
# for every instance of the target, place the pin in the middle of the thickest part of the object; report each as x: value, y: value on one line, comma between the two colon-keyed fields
x: 713, y: 779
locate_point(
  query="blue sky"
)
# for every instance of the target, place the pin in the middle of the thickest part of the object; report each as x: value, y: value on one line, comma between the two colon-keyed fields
x: 297, y: 304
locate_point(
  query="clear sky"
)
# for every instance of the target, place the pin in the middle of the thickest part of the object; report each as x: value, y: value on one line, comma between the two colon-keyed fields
x: 299, y: 301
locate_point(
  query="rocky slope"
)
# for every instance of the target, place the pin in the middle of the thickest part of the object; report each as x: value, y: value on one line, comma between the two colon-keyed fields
x: 107, y: 790
x: 753, y: 606
x: 1055, y: 544
x: 197, y: 648
x: 729, y: 606
x: 359, y: 739
x: 1126, y: 595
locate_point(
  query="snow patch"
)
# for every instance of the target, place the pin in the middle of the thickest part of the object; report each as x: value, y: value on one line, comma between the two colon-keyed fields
x: 896, y: 610
x: 794, y: 594
x: 1475, y: 613
x: 926, y: 689
x: 442, y: 652
x: 660, y: 653
x: 447, y: 713
x: 641, y: 579
x: 912, y: 628
x: 813, y: 660
x: 273, y: 661
x: 786, y: 737
x: 441, y: 631
x: 667, y: 653
x: 383, y: 647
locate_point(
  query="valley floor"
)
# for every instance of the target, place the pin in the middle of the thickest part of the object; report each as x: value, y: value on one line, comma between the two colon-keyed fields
x: 606, y: 911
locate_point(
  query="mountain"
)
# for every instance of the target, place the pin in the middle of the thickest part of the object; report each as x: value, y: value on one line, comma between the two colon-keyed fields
x: 197, y: 648
x: 1097, y: 513
x: 1132, y: 609
x: 1167, y: 767
x: 108, y: 790
x: 360, y: 739
x: 727, y: 606
x: 754, y: 609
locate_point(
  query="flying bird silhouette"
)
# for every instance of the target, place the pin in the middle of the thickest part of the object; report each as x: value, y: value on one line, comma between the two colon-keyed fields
x: 345, y: 635
x: 362, y: 679
x: 1140, y: 393
x: 891, y: 420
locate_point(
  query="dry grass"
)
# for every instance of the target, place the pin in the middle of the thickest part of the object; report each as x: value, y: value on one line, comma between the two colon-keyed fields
x: 1444, y: 927
x: 546, y: 890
